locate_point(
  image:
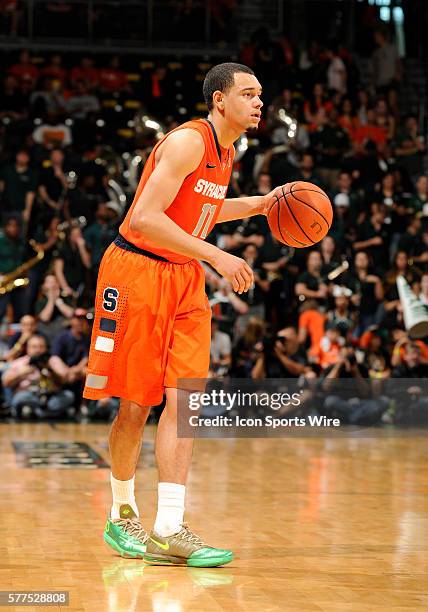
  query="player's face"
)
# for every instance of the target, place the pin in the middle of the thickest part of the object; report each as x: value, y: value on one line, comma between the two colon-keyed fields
x: 242, y: 102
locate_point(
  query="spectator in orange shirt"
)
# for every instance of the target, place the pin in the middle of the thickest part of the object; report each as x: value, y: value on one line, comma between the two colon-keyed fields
x: 311, y: 327
x: 317, y: 102
x: 330, y: 345
x: 348, y: 119
x: 370, y: 131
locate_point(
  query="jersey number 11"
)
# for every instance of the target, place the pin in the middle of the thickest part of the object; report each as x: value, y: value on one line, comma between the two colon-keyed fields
x: 204, y: 221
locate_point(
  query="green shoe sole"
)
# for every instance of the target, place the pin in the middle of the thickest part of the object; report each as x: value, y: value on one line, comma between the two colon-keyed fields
x: 165, y: 560
x: 123, y: 553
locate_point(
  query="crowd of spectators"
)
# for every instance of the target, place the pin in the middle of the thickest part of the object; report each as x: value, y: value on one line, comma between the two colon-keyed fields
x: 64, y: 131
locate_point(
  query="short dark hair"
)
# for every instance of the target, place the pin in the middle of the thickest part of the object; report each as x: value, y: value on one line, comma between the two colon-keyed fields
x: 221, y: 78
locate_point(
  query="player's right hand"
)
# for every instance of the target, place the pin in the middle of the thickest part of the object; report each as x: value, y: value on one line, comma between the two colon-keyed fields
x: 235, y: 270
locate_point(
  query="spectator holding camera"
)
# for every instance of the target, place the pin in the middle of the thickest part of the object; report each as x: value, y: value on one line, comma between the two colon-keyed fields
x: 280, y: 356
x: 35, y: 386
x: 351, y: 401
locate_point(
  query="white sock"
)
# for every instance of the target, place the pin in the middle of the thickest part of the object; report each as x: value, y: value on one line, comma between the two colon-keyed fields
x: 170, y: 508
x: 123, y: 493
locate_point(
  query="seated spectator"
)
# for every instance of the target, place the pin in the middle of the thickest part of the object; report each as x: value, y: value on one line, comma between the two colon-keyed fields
x: 331, y: 143
x: 280, y: 356
x: 370, y: 131
x: 306, y: 171
x: 336, y: 71
x: 85, y: 73
x: 423, y: 295
x: 373, y: 237
x: 53, y: 183
x: 329, y: 254
x: 255, y: 297
x: 245, y: 355
x: 112, y: 79
x: 311, y: 328
x: 344, y: 186
x: 411, y: 242
x: 411, y: 400
x: 17, y: 186
x: 71, y: 263
x: 83, y: 201
x: 348, y: 120
x: 419, y: 201
x: 25, y: 69
x: 11, y: 256
x: 49, y: 102
x: 342, y: 228
x: 35, y: 386
x: 54, y: 70
x: 411, y: 147
x: 363, y: 104
x: 52, y: 133
x: 318, y: 100
x: 70, y: 350
x: 82, y: 103
x: 221, y: 351
x: 367, y: 289
x: 311, y: 284
x: 384, y: 119
x: 330, y: 345
x: 12, y: 101
x: 99, y: 235
x: 341, y: 315
x: 387, y: 192
x: 400, y: 347
x: 348, y: 394
x: 52, y: 310
x: 376, y: 357
x: 18, y: 341
x: 226, y: 304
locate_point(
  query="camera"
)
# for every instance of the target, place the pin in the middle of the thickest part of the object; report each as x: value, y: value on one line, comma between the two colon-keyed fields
x: 269, y: 343
x: 352, y: 359
x: 39, y: 361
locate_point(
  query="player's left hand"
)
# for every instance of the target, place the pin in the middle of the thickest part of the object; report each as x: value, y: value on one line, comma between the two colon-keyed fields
x: 270, y: 198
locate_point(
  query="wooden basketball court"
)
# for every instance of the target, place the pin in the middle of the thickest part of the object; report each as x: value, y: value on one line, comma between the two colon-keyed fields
x: 317, y: 524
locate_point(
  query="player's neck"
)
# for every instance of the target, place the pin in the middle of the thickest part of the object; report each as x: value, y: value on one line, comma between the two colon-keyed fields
x: 226, y: 134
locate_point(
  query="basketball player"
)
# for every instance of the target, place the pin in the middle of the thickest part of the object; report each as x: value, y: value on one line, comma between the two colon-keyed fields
x: 152, y: 319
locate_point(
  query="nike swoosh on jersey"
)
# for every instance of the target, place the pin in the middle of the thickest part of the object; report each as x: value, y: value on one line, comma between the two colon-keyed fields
x: 211, y: 165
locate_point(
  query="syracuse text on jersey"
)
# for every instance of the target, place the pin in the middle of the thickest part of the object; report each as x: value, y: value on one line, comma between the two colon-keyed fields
x: 211, y: 190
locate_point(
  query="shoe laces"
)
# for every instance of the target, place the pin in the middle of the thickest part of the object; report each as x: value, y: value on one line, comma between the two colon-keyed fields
x: 133, y: 528
x: 189, y: 536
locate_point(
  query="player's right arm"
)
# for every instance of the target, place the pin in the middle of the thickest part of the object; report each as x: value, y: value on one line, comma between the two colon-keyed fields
x: 180, y: 155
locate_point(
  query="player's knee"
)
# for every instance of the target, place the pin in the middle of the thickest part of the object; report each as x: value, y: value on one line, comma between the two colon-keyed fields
x: 132, y: 415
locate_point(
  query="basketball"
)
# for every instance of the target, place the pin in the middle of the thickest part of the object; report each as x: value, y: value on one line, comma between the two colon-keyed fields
x: 301, y: 216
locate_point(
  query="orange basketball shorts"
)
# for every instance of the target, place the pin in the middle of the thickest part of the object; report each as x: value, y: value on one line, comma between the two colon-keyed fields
x: 152, y: 326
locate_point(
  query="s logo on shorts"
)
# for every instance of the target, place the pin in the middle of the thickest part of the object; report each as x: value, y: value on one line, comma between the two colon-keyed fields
x: 110, y: 297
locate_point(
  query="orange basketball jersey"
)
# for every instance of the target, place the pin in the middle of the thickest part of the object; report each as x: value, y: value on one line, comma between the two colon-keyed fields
x: 198, y: 203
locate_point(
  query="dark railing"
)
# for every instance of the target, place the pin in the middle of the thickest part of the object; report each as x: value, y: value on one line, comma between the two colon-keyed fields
x: 121, y: 24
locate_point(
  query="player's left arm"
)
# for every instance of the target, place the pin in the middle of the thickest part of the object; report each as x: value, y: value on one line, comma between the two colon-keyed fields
x: 248, y: 206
